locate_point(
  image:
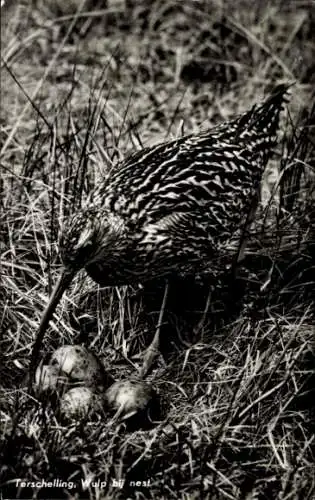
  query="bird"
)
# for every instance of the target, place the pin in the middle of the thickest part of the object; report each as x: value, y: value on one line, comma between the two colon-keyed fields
x: 170, y: 209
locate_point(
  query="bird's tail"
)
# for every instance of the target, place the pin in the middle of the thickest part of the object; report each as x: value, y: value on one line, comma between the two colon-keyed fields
x: 265, y: 117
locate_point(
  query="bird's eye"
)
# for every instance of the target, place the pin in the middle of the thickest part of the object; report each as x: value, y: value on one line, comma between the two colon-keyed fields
x: 85, y: 239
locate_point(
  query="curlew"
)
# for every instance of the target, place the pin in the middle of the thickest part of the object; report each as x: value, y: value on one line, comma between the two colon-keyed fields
x: 170, y: 209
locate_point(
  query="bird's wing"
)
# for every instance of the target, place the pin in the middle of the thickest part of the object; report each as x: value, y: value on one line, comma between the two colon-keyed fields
x: 193, y: 244
x: 202, y: 180
x: 249, y: 136
x: 175, y: 229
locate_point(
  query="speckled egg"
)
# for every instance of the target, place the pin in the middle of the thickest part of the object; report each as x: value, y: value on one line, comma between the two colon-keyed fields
x: 129, y: 398
x: 79, y: 403
x: 48, y: 378
x: 80, y: 365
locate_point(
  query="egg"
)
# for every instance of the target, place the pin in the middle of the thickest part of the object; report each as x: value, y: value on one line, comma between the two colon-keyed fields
x: 131, y: 398
x: 78, y: 403
x: 48, y: 378
x: 80, y: 365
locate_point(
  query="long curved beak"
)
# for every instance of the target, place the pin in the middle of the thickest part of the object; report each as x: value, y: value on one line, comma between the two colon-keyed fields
x: 63, y: 282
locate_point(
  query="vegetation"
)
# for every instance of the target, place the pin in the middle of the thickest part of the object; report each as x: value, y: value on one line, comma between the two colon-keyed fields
x: 83, y: 83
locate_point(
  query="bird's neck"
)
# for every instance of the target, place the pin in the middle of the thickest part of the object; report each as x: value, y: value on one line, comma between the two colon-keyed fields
x: 111, y: 238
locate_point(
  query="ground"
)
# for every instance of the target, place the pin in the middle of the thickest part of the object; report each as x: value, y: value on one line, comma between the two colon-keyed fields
x: 83, y: 83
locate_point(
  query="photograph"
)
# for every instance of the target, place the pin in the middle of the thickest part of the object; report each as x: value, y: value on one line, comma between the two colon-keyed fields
x: 157, y: 250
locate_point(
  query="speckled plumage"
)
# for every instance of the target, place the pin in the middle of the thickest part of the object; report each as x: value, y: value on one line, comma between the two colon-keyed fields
x: 172, y: 208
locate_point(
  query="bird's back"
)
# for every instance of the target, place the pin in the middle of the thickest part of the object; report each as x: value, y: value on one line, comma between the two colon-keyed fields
x: 196, y: 172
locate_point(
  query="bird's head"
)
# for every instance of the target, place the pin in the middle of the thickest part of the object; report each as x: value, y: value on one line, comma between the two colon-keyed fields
x: 88, y: 236
x: 81, y: 239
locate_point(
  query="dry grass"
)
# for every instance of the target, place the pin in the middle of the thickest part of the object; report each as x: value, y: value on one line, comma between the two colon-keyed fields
x: 79, y: 90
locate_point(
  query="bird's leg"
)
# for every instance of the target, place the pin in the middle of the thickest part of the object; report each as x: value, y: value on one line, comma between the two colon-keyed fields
x: 244, y: 239
x: 154, y: 348
x: 202, y: 320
